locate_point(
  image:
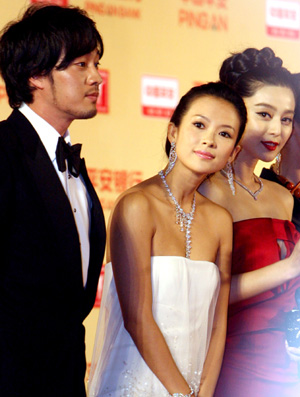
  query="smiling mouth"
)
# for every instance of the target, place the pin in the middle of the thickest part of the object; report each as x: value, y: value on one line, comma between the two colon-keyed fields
x: 270, y: 145
x: 205, y: 155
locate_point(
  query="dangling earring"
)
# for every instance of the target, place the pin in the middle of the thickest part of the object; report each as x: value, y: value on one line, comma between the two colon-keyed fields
x: 172, y: 158
x: 276, y: 165
x: 229, y: 173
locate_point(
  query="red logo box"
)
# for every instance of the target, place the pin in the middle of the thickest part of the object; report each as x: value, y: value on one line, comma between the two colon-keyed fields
x: 102, y: 101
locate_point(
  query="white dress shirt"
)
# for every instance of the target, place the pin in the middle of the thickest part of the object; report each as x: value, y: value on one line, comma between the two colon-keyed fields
x: 74, y: 187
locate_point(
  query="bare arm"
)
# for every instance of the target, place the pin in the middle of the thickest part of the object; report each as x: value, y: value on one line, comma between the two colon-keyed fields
x: 247, y: 285
x: 293, y: 352
x: 213, y: 361
x: 131, y: 234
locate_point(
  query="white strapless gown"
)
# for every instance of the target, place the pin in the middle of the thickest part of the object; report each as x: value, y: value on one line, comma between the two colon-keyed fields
x: 185, y: 293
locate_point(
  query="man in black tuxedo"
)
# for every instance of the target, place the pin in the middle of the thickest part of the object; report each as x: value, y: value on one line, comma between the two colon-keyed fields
x: 53, y: 231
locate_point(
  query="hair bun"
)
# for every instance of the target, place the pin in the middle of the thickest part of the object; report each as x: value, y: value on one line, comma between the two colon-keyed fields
x: 247, y: 61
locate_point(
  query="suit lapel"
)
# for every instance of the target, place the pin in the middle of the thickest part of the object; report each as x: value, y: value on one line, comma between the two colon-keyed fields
x: 97, y: 240
x: 47, y: 185
x: 46, y: 182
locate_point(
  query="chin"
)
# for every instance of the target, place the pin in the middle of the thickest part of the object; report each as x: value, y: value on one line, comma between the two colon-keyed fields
x: 86, y: 115
x: 268, y: 158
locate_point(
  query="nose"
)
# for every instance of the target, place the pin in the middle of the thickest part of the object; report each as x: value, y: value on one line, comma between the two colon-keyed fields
x: 275, y: 126
x: 208, y: 138
x: 94, y: 77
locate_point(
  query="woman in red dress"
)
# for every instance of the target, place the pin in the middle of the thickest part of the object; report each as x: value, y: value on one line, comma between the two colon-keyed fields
x: 266, y: 258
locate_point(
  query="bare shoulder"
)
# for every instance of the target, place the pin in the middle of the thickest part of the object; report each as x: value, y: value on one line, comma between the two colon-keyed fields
x: 279, y: 194
x: 217, y: 217
x: 216, y: 209
x: 136, y: 202
x: 131, y: 218
x: 216, y: 189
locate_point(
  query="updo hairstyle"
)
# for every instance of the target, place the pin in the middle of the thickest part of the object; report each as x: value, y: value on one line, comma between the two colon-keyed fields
x: 249, y: 70
x: 296, y: 77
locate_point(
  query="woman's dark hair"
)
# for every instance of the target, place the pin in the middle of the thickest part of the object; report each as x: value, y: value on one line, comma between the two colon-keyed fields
x: 217, y: 90
x: 44, y: 36
x: 296, y: 78
x: 247, y: 71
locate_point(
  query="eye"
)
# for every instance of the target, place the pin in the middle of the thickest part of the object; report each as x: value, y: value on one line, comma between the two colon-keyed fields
x: 225, y: 134
x: 82, y: 64
x: 264, y: 114
x: 286, y: 120
x: 97, y: 65
x: 198, y: 124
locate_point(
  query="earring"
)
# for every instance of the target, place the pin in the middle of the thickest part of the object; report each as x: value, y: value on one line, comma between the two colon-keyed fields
x: 172, y: 158
x: 276, y: 165
x: 229, y: 173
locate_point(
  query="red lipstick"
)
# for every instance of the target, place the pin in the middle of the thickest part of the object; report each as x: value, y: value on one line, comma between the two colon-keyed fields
x: 270, y: 145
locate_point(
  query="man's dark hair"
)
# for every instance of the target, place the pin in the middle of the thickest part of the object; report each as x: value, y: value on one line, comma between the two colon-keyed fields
x: 44, y: 36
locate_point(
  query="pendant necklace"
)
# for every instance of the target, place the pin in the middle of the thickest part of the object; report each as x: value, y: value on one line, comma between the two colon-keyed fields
x: 183, y: 219
x: 253, y: 194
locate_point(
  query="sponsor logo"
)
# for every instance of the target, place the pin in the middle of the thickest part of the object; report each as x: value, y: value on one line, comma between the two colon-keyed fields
x: 115, y: 10
x: 3, y: 95
x: 102, y: 101
x: 283, y: 19
x: 159, y: 96
x: 204, y: 14
x: 100, y: 288
x: 109, y: 183
x: 62, y: 3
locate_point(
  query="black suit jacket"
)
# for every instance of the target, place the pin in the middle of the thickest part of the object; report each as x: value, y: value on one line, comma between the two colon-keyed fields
x: 42, y: 299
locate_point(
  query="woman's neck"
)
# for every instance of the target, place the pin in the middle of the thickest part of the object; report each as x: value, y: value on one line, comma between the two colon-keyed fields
x: 290, y: 162
x: 183, y: 186
x: 244, y: 169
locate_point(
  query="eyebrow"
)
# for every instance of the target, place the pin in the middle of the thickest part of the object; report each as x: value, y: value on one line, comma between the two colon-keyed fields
x: 267, y: 105
x: 207, y: 119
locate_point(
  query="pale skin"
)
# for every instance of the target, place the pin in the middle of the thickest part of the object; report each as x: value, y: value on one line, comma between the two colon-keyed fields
x: 69, y: 94
x: 289, y: 167
x: 143, y: 225
x: 270, y: 115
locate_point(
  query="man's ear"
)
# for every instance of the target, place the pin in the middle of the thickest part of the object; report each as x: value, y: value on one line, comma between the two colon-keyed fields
x: 234, y: 153
x: 172, y: 132
x: 37, y: 82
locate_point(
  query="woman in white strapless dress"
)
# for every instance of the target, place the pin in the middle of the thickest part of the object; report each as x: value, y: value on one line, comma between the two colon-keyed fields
x: 162, y: 321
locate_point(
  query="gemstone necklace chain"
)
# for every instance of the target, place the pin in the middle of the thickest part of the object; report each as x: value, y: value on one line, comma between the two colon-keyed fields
x: 253, y: 194
x: 183, y: 219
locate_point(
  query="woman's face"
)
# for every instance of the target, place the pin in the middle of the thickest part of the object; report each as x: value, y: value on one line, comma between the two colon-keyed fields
x: 206, y: 137
x: 270, y: 121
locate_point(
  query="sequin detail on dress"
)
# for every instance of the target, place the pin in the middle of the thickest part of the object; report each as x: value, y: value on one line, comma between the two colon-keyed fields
x: 184, y: 294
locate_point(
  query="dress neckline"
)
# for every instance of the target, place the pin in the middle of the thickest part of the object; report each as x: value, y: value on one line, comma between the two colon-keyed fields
x: 153, y: 257
x: 275, y: 220
x: 181, y: 258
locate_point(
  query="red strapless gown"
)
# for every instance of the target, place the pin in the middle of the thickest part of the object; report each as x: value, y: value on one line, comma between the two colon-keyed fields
x: 255, y: 362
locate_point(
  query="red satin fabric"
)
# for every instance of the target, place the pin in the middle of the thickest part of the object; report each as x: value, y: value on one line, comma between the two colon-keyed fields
x: 256, y: 363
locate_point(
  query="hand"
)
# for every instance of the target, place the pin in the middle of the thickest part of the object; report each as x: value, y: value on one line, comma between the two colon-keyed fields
x: 294, y: 260
x: 293, y: 352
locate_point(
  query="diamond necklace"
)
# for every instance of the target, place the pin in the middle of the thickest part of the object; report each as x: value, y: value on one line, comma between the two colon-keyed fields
x: 183, y: 219
x: 253, y: 194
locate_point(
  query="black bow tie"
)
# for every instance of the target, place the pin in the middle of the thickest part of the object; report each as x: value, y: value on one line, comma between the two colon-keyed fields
x: 71, y: 154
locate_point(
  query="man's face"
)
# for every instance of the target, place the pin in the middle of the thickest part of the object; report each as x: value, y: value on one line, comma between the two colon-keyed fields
x: 69, y: 94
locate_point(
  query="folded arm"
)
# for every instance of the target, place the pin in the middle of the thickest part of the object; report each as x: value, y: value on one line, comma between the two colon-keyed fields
x: 214, y: 358
x: 131, y: 233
